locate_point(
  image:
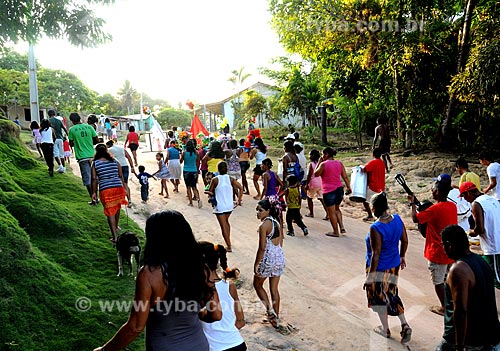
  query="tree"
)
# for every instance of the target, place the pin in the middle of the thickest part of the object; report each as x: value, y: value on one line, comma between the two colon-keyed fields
x: 11, y: 60
x: 254, y: 105
x: 74, y: 20
x: 128, y: 96
x: 237, y: 78
x: 169, y: 116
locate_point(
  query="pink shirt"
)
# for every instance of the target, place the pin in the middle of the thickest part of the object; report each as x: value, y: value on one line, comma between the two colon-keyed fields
x: 314, y: 182
x: 330, y: 179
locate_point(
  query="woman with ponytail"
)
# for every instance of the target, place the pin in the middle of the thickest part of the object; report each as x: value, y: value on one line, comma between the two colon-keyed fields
x: 223, y: 334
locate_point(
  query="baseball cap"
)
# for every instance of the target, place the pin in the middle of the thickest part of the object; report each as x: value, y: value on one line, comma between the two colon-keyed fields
x: 443, y: 181
x: 290, y: 136
x: 465, y: 187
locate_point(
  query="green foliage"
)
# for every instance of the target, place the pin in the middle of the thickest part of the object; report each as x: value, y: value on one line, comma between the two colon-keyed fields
x: 69, y: 19
x: 53, y: 250
x: 129, y: 98
x: 11, y: 60
x: 254, y: 105
x: 169, y: 116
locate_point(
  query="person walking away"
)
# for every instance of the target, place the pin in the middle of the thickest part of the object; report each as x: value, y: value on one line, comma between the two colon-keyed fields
x: 259, y: 153
x: 375, y: 169
x: 173, y: 276
x: 382, y: 131
x: 191, y: 160
x: 222, y: 187
x: 107, y: 173
x: 133, y: 142
x: 299, y: 151
x: 269, y: 260
x: 203, y: 164
x: 107, y: 126
x: 471, y: 318
x: 143, y: 177
x: 294, y: 202
x: 82, y: 138
x: 172, y: 159
x: 437, y: 217
x: 313, y: 185
x: 331, y: 171
x: 214, y: 155
x: 486, y: 213
x: 271, y: 183
x: 67, y: 151
x: 123, y: 157
x: 289, y: 160
x: 47, y: 144
x: 462, y: 167
x: 223, y: 335
x: 384, y: 259
x: 244, y: 161
x: 37, y: 137
x: 493, y: 170
x: 59, y: 128
x: 163, y: 174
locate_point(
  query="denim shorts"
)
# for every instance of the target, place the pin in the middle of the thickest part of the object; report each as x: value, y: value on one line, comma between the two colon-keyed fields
x: 334, y: 197
x: 86, y: 170
x: 125, y: 172
x: 190, y: 178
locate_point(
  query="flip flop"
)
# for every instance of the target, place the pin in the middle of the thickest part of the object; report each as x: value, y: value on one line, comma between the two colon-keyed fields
x: 309, y: 215
x: 380, y: 331
x: 342, y: 230
x: 326, y: 219
x: 405, y: 333
x: 368, y: 219
x: 332, y: 234
x: 436, y: 310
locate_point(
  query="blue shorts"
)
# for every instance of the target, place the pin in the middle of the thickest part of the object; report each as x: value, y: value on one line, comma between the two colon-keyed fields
x: 125, y: 172
x: 86, y: 170
x: 334, y: 197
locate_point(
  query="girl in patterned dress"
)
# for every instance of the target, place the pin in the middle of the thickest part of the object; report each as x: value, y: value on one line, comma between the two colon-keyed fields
x: 269, y: 261
x: 162, y: 173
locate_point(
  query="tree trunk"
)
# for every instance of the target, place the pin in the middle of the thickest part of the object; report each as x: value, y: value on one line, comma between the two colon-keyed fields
x: 463, y: 52
x: 397, y: 93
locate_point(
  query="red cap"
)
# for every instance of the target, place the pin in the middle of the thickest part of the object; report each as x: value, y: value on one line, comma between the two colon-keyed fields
x: 467, y: 186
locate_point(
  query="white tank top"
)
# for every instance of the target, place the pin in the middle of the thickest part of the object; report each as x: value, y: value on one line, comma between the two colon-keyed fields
x: 223, y: 334
x: 224, y: 194
x: 47, y: 136
x: 490, y: 242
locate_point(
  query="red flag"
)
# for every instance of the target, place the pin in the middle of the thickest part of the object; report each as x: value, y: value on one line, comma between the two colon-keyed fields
x: 197, y: 127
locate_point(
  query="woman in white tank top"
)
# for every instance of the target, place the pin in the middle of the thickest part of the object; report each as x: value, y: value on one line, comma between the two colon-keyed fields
x: 222, y: 188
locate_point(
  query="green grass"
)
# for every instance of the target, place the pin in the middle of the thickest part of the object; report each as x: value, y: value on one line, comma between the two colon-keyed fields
x: 54, y: 248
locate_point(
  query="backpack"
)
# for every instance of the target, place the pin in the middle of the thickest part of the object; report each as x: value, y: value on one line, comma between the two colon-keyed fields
x: 296, y: 169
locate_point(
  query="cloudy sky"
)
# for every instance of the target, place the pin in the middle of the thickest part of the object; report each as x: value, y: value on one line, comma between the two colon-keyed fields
x: 172, y: 50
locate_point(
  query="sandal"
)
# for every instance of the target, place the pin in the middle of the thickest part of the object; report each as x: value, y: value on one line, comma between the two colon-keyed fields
x: 332, y: 234
x: 380, y: 331
x: 309, y: 215
x: 368, y: 219
x: 342, y: 230
x: 405, y: 333
x: 326, y: 218
x: 437, y: 310
x: 272, y: 318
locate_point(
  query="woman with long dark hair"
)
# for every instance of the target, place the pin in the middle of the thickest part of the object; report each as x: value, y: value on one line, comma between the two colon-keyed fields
x: 107, y: 173
x: 47, y: 144
x: 173, y: 291
x: 269, y: 260
x: 259, y: 153
x: 214, y: 156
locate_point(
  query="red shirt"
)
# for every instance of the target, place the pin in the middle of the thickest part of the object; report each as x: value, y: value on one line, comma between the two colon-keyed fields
x: 376, y: 175
x: 133, y: 138
x: 437, y: 217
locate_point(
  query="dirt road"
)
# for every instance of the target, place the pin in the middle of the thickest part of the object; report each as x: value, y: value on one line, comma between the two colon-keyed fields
x: 321, y: 289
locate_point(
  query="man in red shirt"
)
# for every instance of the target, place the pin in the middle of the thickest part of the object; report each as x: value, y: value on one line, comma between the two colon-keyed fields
x: 375, y: 169
x: 437, y: 217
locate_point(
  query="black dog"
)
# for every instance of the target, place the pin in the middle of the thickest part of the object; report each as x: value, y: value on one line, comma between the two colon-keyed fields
x: 127, y: 245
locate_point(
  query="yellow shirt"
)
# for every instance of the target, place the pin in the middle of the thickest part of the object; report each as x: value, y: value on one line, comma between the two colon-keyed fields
x: 212, y: 164
x: 471, y: 177
x: 293, y: 197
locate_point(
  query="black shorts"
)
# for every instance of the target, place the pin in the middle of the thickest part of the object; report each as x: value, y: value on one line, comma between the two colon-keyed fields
x: 133, y: 147
x: 244, y: 165
x: 190, y: 178
x: 258, y: 171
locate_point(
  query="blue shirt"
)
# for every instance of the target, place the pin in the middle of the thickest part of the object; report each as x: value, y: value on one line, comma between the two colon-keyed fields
x: 143, y: 178
x: 391, y: 234
x: 173, y: 153
x: 190, y: 162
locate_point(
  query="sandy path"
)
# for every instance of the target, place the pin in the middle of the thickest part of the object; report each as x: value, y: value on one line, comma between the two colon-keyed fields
x: 321, y: 289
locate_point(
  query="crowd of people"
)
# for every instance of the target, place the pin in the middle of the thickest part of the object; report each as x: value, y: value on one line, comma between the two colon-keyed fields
x: 177, y: 267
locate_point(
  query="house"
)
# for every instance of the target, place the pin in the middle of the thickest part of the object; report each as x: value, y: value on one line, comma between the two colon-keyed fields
x: 209, y: 112
x: 22, y: 112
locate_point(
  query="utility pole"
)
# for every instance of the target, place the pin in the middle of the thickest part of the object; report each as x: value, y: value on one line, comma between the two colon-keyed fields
x: 34, y: 107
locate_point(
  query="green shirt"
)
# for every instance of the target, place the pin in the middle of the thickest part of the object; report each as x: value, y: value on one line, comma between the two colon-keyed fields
x: 82, y: 136
x: 57, y: 125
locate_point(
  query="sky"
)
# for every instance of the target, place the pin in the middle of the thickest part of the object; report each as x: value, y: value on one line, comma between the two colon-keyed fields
x: 172, y: 50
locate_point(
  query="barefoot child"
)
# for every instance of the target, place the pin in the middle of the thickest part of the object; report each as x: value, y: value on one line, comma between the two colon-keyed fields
x: 162, y: 173
x: 294, y: 201
x: 223, y: 334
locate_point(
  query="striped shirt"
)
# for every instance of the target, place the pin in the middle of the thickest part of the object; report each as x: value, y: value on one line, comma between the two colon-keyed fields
x: 107, y: 174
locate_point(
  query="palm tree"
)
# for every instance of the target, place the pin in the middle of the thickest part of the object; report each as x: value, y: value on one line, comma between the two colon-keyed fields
x: 128, y: 96
x: 237, y: 78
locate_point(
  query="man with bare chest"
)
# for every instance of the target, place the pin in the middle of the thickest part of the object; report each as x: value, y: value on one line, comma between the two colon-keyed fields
x: 382, y: 132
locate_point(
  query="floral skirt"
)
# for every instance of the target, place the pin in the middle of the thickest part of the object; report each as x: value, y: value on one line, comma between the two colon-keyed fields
x: 383, y: 292
x: 112, y: 199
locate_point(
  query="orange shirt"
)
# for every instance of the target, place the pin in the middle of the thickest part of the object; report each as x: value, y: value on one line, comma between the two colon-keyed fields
x: 376, y: 175
x: 437, y: 217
